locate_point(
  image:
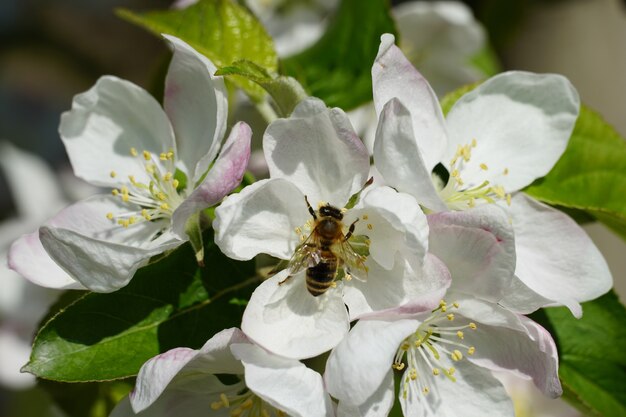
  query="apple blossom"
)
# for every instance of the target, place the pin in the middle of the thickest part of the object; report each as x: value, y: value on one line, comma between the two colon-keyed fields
x: 184, y: 381
x: 496, y: 140
x: 117, y: 135
x: 316, y: 154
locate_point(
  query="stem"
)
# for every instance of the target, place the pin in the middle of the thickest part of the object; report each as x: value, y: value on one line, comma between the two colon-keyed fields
x: 265, y: 109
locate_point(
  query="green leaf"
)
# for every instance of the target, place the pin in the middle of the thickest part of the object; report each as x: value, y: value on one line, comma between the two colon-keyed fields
x: 286, y: 91
x: 222, y: 30
x: 170, y: 303
x: 592, y: 363
x: 591, y: 174
x: 337, y: 68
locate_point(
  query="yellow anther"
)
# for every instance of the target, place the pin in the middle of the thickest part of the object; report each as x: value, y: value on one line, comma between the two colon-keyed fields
x: 451, y: 371
x: 170, y: 155
x: 147, y: 155
x: 115, y: 192
x: 163, y: 156
x: 436, y: 371
x: 456, y: 355
x: 123, y: 222
x: 175, y: 183
x: 405, y: 346
x: 133, y: 152
x: 369, y: 226
x: 113, y: 174
x: 460, y: 335
x: 247, y: 404
x: 484, y: 167
x: 224, y: 400
x: 167, y: 176
x: 125, y: 198
x: 413, y: 374
x: 333, y: 284
x: 110, y: 216
x: 161, y: 196
x: 455, y: 304
x: 442, y: 303
x: 124, y: 190
x: 298, y: 230
x: 398, y: 366
x: 499, y: 191
x: 365, y: 217
x: 508, y: 199
x: 471, y: 350
x: 425, y: 390
x: 132, y: 220
x: 474, y: 143
x: 236, y: 412
x: 150, y: 168
x: 164, y: 206
x: 472, y: 326
x: 216, y: 405
x: 455, y: 173
x: 506, y: 171
x: 348, y: 277
x: 444, y: 309
x: 450, y: 316
x: 132, y: 180
x: 145, y: 214
x: 343, y: 210
x: 471, y: 202
x: 302, y: 238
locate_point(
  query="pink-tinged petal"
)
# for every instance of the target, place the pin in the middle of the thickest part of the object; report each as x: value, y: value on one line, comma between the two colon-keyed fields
x: 478, y: 247
x: 521, y: 299
x: 286, y: 384
x: 521, y: 123
x: 379, y: 404
x: 507, y: 341
x: 28, y: 258
x: 398, y: 158
x: 288, y: 321
x: 225, y: 174
x: 262, y: 218
x: 359, y: 365
x: 385, y: 290
x: 474, y: 392
x: 393, y: 76
x: 318, y: 151
x: 555, y: 257
x: 441, y: 38
x: 176, y: 366
x: 196, y: 104
x: 103, y: 125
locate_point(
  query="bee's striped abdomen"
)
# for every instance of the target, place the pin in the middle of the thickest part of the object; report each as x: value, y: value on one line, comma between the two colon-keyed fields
x: 321, y: 276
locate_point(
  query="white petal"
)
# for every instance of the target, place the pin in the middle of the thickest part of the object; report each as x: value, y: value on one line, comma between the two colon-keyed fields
x: 15, y: 354
x: 475, y: 392
x: 284, y: 383
x: 555, y: 257
x: 506, y: 341
x: 317, y: 150
x: 379, y: 404
x: 33, y: 185
x: 180, y: 364
x: 28, y: 258
x: 225, y: 174
x: 191, y: 402
x: 108, y: 120
x: 261, y: 219
x: 521, y: 299
x: 477, y: 246
x: 196, y: 104
x: 393, y: 76
x: 440, y: 38
x: 521, y: 122
x: 287, y: 320
x: 398, y: 158
x: 361, y: 362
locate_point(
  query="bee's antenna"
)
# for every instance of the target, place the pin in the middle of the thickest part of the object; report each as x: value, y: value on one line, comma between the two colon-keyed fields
x: 310, y: 208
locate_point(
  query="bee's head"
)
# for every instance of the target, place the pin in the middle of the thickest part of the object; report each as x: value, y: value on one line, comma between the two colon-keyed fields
x: 330, y: 211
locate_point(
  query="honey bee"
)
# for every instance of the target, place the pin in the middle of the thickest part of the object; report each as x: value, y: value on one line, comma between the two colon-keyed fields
x: 325, y: 250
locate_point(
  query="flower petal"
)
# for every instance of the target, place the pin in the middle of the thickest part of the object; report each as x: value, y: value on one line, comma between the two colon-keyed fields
x: 261, y: 219
x: 474, y: 391
x: 196, y: 104
x: 398, y: 158
x: 287, y: 320
x: 478, y: 247
x: 555, y: 257
x: 521, y: 122
x: 225, y: 174
x: 393, y: 76
x: 317, y: 150
x: 440, y: 38
x: 507, y: 341
x: 379, y: 404
x: 359, y: 365
x: 15, y: 353
x: 286, y: 384
x: 521, y: 299
x: 103, y: 125
x: 28, y: 258
x: 180, y: 364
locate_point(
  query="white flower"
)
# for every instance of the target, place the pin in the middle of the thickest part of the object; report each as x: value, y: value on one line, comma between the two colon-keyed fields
x: 117, y: 135
x: 496, y: 140
x: 185, y: 382
x: 441, y: 352
x: 316, y: 154
x: 37, y: 195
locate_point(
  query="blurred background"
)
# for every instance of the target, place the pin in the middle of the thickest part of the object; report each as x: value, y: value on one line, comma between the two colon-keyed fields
x: 51, y: 50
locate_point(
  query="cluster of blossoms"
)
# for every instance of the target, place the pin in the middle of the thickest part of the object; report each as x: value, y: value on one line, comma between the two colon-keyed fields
x: 418, y: 275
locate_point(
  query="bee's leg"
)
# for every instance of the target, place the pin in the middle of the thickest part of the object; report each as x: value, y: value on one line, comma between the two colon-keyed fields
x: 285, y: 280
x: 310, y: 208
x: 350, y: 230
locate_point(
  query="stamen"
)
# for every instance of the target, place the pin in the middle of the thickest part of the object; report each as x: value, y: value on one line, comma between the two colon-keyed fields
x: 113, y: 174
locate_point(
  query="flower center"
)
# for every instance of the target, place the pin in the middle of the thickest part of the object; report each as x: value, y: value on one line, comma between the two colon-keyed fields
x: 157, y: 199
x: 458, y: 195
x: 246, y: 404
x: 422, y: 353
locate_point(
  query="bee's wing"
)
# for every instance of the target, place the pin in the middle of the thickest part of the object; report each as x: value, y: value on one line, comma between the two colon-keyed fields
x: 354, y: 264
x: 306, y: 255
